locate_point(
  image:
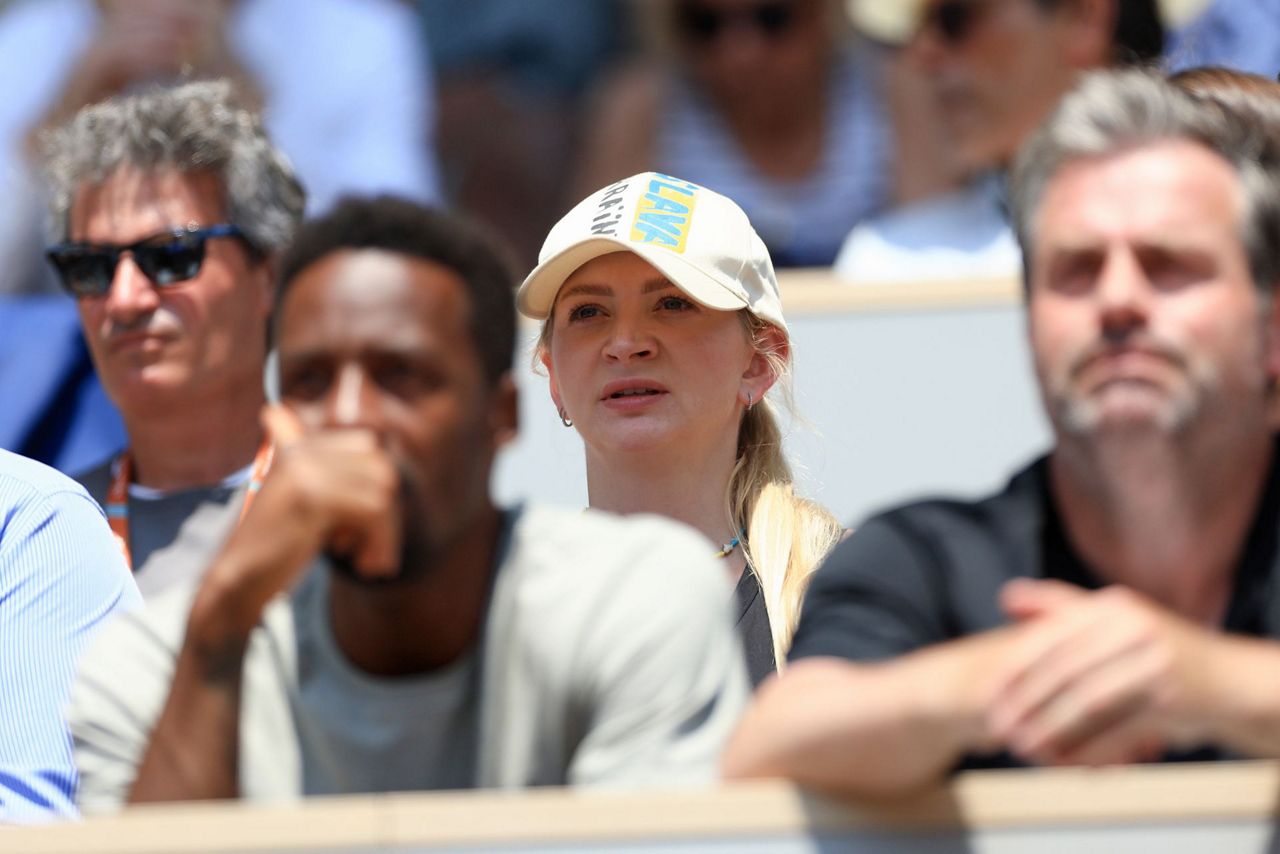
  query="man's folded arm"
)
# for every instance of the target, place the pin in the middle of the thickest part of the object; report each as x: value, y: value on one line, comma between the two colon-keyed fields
x: 867, y: 728
x: 876, y: 699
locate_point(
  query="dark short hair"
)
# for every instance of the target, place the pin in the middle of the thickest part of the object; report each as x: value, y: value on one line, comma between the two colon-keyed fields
x: 1138, y: 35
x: 394, y: 224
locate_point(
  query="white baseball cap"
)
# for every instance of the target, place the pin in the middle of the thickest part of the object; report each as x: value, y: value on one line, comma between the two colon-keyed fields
x: 697, y: 238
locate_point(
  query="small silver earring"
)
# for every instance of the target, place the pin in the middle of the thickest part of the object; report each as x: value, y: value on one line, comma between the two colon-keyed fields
x: 748, y: 401
x: 564, y: 419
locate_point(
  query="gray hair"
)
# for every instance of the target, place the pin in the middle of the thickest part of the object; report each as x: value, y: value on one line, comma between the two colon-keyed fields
x: 189, y: 127
x: 1113, y: 111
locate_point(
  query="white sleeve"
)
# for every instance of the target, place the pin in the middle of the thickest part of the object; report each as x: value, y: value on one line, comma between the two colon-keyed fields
x: 668, y: 680
x: 120, y: 691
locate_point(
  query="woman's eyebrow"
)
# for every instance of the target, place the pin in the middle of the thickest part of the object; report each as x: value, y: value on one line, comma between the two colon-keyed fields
x: 659, y: 284
x: 593, y: 290
x: 656, y: 284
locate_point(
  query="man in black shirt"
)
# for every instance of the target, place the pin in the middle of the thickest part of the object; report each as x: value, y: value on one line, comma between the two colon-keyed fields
x: 1117, y: 601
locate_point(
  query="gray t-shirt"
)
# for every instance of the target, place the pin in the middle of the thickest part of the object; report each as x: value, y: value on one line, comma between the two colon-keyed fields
x: 608, y: 658
x: 354, y: 734
x: 173, y: 537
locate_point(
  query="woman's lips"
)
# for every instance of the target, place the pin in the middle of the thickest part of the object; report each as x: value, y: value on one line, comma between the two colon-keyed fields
x: 632, y: 394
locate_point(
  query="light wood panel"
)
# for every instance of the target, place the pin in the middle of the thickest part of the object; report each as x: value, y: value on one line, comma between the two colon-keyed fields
x: 1046, y: 800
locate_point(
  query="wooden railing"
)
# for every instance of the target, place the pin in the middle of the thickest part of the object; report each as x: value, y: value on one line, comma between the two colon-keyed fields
x: 818, y: 290
x: 1217, y: 808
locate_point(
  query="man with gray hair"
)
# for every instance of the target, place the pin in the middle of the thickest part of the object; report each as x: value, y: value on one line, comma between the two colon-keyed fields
x: 172, y: 205
x: 1117, y: 601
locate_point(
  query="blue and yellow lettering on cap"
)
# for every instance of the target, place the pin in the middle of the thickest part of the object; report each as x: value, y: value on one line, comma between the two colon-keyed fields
x: 664, y: 212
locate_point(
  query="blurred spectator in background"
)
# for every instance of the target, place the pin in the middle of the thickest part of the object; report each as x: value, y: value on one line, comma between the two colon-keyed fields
x: 346, y: 89
x: 995, y: 67
x: 1239, y: 34
x: 764, y: 101
x: 510, y: 78
x: 173, y: 204
x: 344, y: 85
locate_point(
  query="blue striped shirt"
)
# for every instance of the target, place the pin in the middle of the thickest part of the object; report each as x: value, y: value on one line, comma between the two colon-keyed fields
x: 61, y: 576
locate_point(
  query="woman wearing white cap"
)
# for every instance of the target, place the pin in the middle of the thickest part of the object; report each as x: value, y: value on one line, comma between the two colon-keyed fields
x: 662, y: 334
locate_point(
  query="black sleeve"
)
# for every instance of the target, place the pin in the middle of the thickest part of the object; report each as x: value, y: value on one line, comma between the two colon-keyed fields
x: 879, y: 594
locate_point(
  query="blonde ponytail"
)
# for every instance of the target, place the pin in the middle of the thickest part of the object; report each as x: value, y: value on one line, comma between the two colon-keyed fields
x: 786, y: 536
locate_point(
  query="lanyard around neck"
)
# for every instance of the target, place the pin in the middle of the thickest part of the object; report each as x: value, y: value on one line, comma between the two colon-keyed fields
x: 118, y: 494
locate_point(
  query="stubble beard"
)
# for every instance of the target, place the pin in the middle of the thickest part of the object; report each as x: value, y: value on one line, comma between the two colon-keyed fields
x: 1131, y: 407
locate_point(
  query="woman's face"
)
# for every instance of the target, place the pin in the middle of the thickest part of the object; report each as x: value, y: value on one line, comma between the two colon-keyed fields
x: 638, y: 365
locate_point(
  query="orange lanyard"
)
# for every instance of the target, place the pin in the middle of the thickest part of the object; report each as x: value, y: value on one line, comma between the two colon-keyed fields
x: 118, y: 494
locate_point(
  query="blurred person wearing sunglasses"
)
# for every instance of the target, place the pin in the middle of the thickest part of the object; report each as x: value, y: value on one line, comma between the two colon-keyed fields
x: 348, y: 95
x: 173, y: 204
x: 994, y: 69
x: 1117, y: 601
x: 765, y: 101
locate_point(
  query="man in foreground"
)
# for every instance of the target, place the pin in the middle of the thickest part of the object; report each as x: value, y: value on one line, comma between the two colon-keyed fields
x: 425, y: 638
x: 1118, y: 601
x: 174, y: 205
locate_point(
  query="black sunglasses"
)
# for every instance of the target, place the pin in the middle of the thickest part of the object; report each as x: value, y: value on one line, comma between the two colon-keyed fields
x: 88, y: 269
x: 704, y: 24
x: 953, y: 20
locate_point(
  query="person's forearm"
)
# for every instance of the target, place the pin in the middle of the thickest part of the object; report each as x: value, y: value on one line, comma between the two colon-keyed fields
x: 1245, y: 692
x: 863, y: 729
x: 193, y: 753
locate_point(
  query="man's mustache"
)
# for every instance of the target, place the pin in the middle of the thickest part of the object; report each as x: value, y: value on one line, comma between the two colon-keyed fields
x: 1106, y: 347
x: 155, y: 323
